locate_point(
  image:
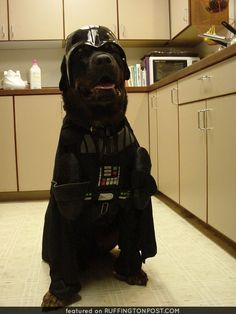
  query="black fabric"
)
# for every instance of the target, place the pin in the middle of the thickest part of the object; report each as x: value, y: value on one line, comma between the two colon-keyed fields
x: 76, y: 210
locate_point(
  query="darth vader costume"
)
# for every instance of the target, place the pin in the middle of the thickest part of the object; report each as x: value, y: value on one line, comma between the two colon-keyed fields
x: 101, y: 188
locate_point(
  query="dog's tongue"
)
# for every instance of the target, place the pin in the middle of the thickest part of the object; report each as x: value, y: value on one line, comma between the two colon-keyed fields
x: 104, y: 86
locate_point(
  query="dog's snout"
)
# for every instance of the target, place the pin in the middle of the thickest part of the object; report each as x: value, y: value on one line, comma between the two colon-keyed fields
x: 102, y: 59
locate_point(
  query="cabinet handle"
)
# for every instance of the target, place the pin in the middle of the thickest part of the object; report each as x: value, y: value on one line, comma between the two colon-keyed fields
x: 173, y: 94
x: 2, y: 31
x: 205, y: 77
x: 203, y: 114
x: 185, y: 17
x: 122, y: 28
x: 154, y: 102
x: 12, y: 32
x: 206, y: 113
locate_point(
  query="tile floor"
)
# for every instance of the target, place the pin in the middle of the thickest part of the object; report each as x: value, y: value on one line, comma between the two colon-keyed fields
x: 193, y: 267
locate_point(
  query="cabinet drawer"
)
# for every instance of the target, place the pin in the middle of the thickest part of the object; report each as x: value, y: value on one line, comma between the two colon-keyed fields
x: 210, y: 82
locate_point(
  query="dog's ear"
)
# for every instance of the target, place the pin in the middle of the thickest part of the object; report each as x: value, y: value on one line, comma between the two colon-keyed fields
x: 64, y: 82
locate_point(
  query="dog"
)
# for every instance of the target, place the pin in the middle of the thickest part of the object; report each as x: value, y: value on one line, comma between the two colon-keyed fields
x: 101, y: 189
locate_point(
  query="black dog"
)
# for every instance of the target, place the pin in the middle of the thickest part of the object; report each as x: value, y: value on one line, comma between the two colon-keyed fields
x: 101, y: 188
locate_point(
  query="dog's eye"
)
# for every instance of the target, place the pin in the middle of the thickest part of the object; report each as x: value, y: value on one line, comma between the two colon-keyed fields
x: 113, y: 49
x: 79, y: 50
x: 83, y: 50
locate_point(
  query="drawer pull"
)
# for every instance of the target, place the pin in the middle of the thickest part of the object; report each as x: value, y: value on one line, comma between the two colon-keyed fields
x: 205, y: 77
x: 174, y: 97
x: 203, y: 114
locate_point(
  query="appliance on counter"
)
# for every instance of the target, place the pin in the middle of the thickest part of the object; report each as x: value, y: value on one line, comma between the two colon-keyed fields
x: 159, y: 64
x: 12, y: 80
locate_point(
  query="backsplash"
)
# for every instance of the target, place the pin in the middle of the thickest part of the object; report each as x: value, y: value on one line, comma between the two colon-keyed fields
x: 49, y: 61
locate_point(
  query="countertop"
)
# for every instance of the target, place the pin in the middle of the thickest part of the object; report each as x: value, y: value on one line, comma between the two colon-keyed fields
x: 55, y: 90
x: 28, y: 91
x: 210, y: 60
x: 200, y: 65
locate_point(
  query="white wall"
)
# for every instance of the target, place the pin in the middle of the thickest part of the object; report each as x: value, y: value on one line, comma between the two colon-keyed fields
x: 49, y: 60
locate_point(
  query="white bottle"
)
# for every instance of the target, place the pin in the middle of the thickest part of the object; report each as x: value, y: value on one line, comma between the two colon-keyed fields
x: 35, y: 76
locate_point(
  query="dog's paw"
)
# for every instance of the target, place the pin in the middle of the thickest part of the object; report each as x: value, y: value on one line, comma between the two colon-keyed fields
x: 139, y: 279
x: 51, y: 302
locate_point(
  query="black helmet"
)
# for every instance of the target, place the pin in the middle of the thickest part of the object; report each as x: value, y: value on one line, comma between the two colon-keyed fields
x: 95, y: 36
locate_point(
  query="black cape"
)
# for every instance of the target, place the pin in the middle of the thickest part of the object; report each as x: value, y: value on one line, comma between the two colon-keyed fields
x: 101, y: 181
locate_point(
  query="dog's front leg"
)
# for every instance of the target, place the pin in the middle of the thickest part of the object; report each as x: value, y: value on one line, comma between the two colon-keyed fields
x: 128, y: 266
x: 60, y: 252
x: 139, y: 279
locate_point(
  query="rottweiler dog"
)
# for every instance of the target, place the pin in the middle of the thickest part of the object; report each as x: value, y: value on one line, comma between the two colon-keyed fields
x: 101, y: 189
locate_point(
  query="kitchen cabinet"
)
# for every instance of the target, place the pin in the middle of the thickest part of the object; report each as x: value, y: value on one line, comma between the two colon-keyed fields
x: 168, y: 141
x: 137, y: 115
x: 79, y: 13
x: 221, y: 138
x: 35, y: 20
x: 143, y: 19
x: 3, y: 20
x: 207, y: 161
x: 213, y: 81
x: 38, y: 122
x: 154, y: 14
x: 207, y: 138
x: 153, y: 133
x: 179, y: 16
x: 8, y: 178
x: 188, y: 18
x: 193, y: 163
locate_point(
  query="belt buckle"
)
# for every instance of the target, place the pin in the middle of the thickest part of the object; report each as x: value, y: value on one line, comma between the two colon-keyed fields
x: 104, y: 209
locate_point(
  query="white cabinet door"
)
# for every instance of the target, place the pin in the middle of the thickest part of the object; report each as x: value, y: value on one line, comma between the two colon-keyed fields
x: 137, y: 115
x: 167, y: 124
x: 35, y: 20
x: 38, y: 122
x: 3, y: 20
x: 193, y: 159
x: 8, y: 178
x: 85, y: 12
x: 222, y: 164
x: 140, y: 19
x: 179, y: 16
x: 153, y: 133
